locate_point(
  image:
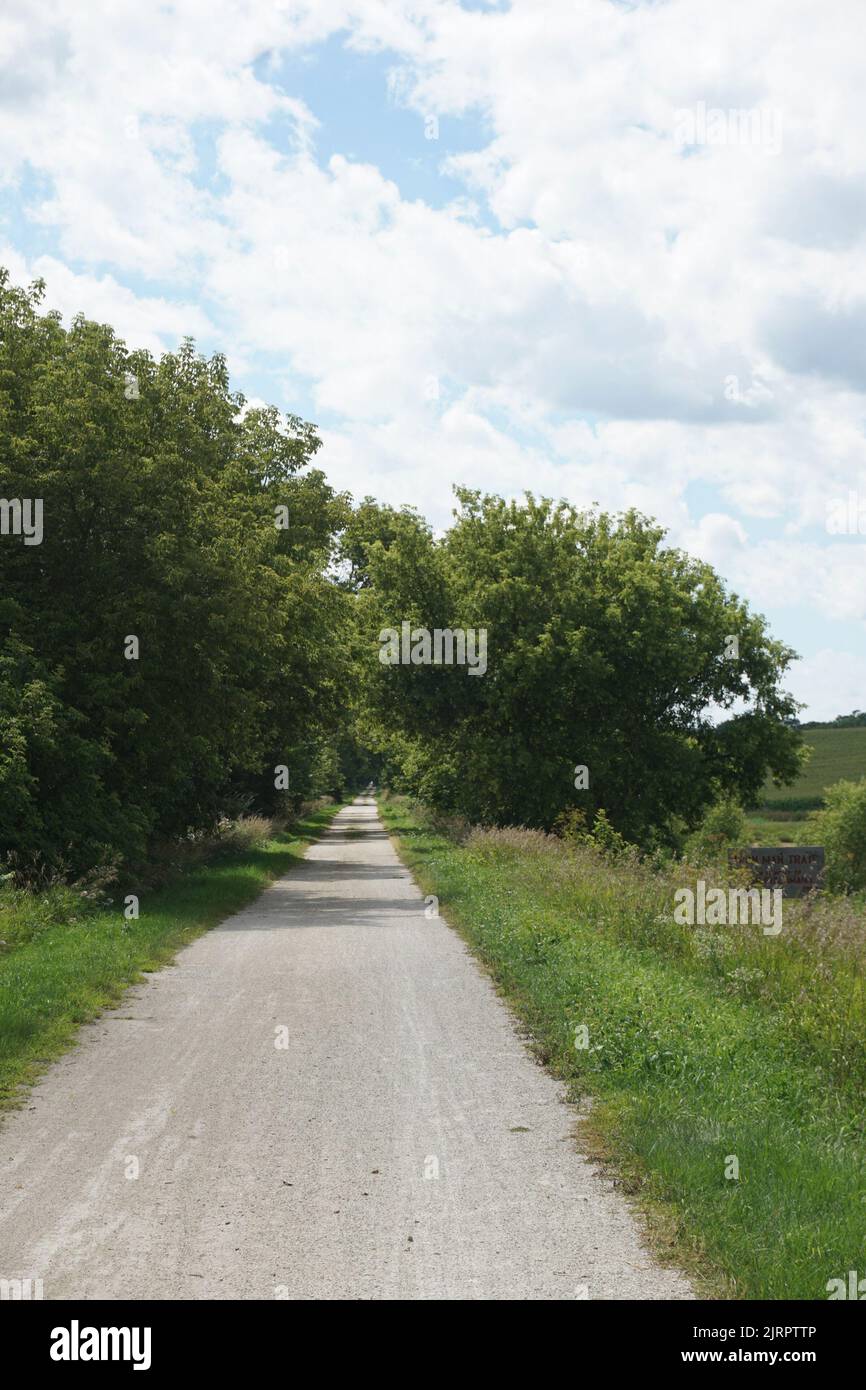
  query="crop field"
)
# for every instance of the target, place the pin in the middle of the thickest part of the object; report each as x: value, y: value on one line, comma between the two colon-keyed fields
x: 838, y: 753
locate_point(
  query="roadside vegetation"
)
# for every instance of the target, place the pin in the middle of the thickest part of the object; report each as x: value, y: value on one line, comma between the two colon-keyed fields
x: 172, y: 651
x: 191, y: 646
x: 607, y: 650
x: 709, y: 1051
x: 68, y: 951
x: 192, y: 630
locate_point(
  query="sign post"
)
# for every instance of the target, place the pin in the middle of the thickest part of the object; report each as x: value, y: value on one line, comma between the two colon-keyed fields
x: 796, y: 869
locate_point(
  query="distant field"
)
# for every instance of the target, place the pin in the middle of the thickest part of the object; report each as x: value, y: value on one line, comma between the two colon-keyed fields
x: 765, y: 828
x: 838, y: 753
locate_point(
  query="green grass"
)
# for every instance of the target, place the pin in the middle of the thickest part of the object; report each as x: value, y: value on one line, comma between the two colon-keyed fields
x: 56, y: 975
x: 703, y: 1043
x: 781, y: 828
x: 838, y: 754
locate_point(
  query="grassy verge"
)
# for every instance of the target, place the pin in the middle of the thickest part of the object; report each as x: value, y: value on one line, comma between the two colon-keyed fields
x: 56, y: 975
x: 710, y: 1051
x: 779, y: 828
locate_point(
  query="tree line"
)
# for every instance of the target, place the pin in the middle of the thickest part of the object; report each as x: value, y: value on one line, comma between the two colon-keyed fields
x: 197, y: 630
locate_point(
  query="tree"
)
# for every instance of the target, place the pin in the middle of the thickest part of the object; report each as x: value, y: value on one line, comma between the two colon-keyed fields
x: 841, y: 828
x: 170, y: 636
x: 606, y: 651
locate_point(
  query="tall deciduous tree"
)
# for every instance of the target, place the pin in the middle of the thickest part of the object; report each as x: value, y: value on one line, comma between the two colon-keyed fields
x: 175, y: 517
x: 607, y: 650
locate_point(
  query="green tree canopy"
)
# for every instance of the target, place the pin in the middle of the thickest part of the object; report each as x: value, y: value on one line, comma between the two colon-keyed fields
x: 202, y: 608
x: 606, y: 649
x: 160, y: 495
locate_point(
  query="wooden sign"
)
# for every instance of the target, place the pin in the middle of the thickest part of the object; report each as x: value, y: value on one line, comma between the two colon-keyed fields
x: 796, y: 869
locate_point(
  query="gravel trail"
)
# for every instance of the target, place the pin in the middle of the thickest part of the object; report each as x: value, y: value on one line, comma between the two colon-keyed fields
x: 323, y: 1098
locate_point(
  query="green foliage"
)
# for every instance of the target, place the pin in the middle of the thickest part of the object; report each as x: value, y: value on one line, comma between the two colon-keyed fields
x: 841, y: 828
x: 604, y: 649
x: 372, y: 527
x: 700, y: 1043
x: 571, y: 825
x: 159, y: 507
x: 26, y: 914
x: 723, y: 827
x: 258, y: 645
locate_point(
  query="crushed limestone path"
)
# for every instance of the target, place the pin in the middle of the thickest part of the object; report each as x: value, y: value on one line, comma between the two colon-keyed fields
x: 401, y: 1144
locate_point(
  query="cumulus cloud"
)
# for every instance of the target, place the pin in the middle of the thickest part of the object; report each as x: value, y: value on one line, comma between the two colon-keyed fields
x: 830, y: 682
x: 144, y: 321
x: 651, y: 293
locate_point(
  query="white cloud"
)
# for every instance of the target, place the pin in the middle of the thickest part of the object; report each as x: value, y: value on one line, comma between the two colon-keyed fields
x: 717, y: 538
x: 143, y: 321
x: 830, y: 682
x: 829, y: 578
x: 627, y: 320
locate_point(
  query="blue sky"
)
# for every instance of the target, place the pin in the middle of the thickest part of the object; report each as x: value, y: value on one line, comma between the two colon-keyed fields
x: 557, y: 291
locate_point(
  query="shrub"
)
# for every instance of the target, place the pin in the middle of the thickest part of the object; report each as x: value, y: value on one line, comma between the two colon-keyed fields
x: 25, y: 914
x: 723, y: 827
x: 244, y: 834
x: 571, y: 825
x: 841, y: 829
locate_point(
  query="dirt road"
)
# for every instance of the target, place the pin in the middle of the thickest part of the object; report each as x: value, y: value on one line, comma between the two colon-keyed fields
x: 323, y: 1098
